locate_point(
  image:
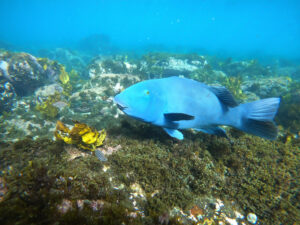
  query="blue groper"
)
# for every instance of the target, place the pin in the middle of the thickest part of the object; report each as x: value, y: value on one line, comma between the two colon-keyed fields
x: 177, y: 103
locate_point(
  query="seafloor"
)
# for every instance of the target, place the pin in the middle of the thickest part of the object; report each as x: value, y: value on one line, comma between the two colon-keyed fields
x: 148, y: 177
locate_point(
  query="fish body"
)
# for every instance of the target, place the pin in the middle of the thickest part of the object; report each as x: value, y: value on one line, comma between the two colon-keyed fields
x: 176, y: 103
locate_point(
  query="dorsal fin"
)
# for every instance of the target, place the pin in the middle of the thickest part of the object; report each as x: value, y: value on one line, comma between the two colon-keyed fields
x: 224, y: 95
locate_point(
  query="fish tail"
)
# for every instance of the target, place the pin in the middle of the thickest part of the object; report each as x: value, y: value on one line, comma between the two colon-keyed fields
x: 258, y: 117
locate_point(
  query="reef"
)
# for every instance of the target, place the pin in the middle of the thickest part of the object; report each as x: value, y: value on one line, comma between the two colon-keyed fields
x: 71, y: 59
x: 288, y: 115
x: 146, y: 177
x: 21, y: 74
x: 150, y: 179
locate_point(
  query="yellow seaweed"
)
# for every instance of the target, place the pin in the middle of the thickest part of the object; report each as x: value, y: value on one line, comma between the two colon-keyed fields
x: 80, y: 135
x: 47, y: 108
x: 63, y: 77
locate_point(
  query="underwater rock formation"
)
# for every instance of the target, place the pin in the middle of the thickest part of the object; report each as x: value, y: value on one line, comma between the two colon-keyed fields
x: 148, y: 178
x: 21, y: 74
x: 69, y: 58
x: 117, y: 64
x: 247, y: 68
x: 157, y: 65
x: 267, y: 87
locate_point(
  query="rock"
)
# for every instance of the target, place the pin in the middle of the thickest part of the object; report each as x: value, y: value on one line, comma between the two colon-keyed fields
x: 21, y: 74
x: 252, y: 218
x: 178, y: 67
x: 94, y: 103
x: 116, y: 65
x: 267, y: 87
x: 247, y: 68
x: 71, y: 59
x: 7, y: 94
x: 159, y: 65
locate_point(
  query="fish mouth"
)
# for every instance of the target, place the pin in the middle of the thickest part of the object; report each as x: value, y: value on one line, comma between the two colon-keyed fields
x: 121, y: 107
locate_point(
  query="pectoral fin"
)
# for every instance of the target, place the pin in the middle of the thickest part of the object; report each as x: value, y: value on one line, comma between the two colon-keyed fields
x: 174, y: 133
x: 213, y: 130
x: 178, y: 116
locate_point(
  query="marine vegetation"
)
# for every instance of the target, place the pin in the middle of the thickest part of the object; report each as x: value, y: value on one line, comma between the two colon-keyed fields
x: 80, y: 135
x: 65, y: 81
x: 147, y: 179
x: 113, y: 66
x: 234, y: 85
x: 289, y: 111
x: 47, y: 107
x: 250, y: 68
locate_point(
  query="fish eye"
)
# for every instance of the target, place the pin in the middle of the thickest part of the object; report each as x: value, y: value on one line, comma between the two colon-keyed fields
x: 147, y: 92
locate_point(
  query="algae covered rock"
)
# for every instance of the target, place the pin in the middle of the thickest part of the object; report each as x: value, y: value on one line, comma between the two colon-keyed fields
x: 70, y: 58
x: 289, y: 111
x: 267, y: 87
x: 249, y: 68
x: 21, y: 74
x: 157, y: 65
x: 115, y: 64
x: 94, y: 103
x: 7, y: 94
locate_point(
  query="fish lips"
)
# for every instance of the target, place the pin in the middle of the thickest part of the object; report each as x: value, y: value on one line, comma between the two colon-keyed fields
x: 126, y: 109
x: 120, y: 105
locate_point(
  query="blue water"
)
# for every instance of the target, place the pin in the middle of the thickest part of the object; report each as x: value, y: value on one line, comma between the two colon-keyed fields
x: 232, y: 27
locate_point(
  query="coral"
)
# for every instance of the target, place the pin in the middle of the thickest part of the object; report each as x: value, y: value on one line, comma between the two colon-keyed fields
x: 81, y: 135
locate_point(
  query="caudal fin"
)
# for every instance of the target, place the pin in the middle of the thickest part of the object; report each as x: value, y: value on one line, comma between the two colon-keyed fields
x: 258, y: 117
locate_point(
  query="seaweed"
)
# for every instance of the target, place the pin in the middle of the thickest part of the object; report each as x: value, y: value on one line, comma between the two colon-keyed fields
x: 260, y: 176
x: 288, y: 113
x: 47, y: 108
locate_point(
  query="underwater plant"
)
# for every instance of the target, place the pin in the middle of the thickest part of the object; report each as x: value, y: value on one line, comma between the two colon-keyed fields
x: 47, y: 107
x: 234, y: 85
x: 288, y: 113
x: 65, y: 81
x: 81, y: 135
x: 114, y: 66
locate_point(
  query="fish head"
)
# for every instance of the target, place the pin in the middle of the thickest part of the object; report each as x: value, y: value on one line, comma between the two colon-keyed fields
x: 141, y: 101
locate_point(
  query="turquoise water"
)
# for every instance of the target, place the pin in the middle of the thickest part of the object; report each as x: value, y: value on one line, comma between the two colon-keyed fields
x: 232, y: 27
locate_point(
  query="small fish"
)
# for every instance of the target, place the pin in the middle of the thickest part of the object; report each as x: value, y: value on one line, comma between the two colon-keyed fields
x: 100, y: 155
x: 60, y: 104
x: 176, y: 103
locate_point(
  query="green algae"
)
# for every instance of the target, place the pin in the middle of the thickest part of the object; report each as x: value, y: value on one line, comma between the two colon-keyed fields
x: 288, y: 113
x: 259, y: 175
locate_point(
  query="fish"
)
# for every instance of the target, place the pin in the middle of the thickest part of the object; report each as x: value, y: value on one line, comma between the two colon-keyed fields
x: 100, y: 155
x: 177, y: 103
x: 60, y: 104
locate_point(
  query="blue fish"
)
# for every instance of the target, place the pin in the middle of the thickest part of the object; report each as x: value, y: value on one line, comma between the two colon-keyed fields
x: 177, y: 103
